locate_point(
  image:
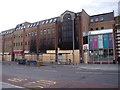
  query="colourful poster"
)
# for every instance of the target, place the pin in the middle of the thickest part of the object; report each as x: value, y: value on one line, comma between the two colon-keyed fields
x: 110, y: 40
x: 96, y: 41
x: 91, y: 42
x: 105, y: 41
x: 100, y: 41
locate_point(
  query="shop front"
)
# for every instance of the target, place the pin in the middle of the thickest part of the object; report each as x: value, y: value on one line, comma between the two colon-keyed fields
x: 101, y: 47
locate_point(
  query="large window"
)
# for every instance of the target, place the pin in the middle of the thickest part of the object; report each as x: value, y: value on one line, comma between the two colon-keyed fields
x: 48, y: 31
x: 44, y: 31
x: 40, y: 32
x: 53, y: 30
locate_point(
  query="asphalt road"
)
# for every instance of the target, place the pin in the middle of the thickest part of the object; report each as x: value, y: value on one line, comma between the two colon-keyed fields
x: 57, y: 77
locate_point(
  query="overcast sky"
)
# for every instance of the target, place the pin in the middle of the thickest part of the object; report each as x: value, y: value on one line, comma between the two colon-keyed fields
x: 13, y: 12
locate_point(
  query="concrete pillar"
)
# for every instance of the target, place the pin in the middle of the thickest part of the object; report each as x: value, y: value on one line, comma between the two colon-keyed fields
x: 80, y: 36
x: 3, y: 47
x: 12, y: 47
x: 23, y: 44
x: 37, y: 42
x: 114, y: 44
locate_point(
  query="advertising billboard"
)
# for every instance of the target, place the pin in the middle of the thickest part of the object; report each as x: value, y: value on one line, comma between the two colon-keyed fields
x: 100, y: 41
x: 110, y: 40
x: 105, y: 41
x: 91, y: 42
x: 95, y: 41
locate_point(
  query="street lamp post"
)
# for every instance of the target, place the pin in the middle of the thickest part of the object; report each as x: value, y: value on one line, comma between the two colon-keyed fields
x: 73, y: 43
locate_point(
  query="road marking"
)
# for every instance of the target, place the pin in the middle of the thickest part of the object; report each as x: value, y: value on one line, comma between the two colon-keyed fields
x: 40, y: 84
x: 50, y: 70
x: 16, y: 79
x: 12, y: 85
x: 95, y: 73
x: 37, y: 70
x: 89, y: 72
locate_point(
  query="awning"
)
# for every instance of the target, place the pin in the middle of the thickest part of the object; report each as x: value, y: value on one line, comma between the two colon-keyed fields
x: 18, y: 51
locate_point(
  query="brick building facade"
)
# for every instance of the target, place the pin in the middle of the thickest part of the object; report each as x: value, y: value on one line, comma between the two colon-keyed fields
x: 54, y: 33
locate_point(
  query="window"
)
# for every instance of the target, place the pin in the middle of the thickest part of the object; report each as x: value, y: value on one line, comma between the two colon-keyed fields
x: 43, y: 22
x: 28, y: 43
x: 50, y: 21
x: 48, y: 41
x: 40, y: 32
x: 21, y: 43
x: 14, y: 44
x: 44, y: 31
x: 102, y: 27
x: 96, y: 28
x: 48, y: 31
x: 53, y: 41
x: 25, y: 43
x: 91, y: 29
x: 46, y: 22
x: 32, y: 33
x: 18, y: 44
x: 91, y: 20
x: 29, y: 34
x: 96, y: 19
x: 35, y: 33
x: 53, y: 30
x: 26, y: 34
x: 55, y: 20
x: 21, y: 35
x: 101, y: 18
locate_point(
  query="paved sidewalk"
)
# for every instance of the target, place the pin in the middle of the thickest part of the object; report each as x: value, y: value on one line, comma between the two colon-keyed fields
x: 113, y: 67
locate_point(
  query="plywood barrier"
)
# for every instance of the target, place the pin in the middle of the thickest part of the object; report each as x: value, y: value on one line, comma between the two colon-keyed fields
x: 50, y: 57
x: 0, y: 57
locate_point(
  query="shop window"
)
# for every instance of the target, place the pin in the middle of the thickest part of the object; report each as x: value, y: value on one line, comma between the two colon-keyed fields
x: 91, y: 55
x: 95, y: 55
x: 105, y: 53
x: 111, y: 57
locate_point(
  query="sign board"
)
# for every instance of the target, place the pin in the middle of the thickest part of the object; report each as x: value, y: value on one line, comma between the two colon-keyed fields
x: 85, y: 47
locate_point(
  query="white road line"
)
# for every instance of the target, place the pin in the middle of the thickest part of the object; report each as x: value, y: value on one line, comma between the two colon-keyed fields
x: 12, y: 85
x: 96, y: 73
x: 37, y: 70
x: 50, y: 70
x: 89, y: 73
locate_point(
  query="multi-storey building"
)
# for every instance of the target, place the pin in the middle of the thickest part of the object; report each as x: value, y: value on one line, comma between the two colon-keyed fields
x: 89, y: 34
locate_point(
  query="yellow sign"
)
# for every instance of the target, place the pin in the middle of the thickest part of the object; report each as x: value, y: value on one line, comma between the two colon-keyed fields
x: 58, y: 48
